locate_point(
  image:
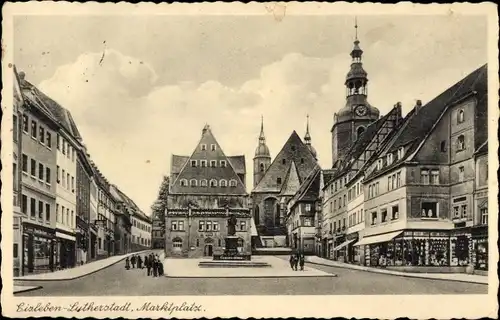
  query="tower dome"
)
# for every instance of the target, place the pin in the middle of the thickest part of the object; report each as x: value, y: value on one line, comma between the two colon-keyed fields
x: 262, y: 158
x: 262, y: 150
x: 307, y: 139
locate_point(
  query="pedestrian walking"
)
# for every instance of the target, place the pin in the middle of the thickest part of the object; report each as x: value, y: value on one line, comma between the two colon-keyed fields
x: 127, y: 264
x: 160, y: 268
x: 139, y: 262
x: 292, y: 260
x: 296, y: 261
x: 302, y: 261
x: 146, y: 262
x: 155, y: 267
x: 132, y: 260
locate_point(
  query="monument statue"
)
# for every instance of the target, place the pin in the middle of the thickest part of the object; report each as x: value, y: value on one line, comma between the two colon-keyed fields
x: 231, y: 225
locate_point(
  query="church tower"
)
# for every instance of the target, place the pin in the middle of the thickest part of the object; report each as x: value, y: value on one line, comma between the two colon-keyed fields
x: 351, y: 121
x: 262, y: 158
x: 307, y: 139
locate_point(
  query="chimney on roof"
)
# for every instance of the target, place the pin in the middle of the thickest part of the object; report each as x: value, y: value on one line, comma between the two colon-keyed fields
x: 22, y: 75
x: 205, y: 128
x: 418, y: 105
x: 399, y: 112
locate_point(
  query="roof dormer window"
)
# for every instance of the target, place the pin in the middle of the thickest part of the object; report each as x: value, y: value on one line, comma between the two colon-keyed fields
x: 389, y: 159
x: 223, y: 163
x: 184, y: 182
x: 213, y: 147
x: 203, y: 147
x: 401, y: 153
x: 380, y: 164
x: 194, y: 163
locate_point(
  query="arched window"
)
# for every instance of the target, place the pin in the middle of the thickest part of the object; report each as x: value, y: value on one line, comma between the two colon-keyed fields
x: 460, y: 143
x: 177, y: 243
x: 460, y: 116
x: 193, y: 182
x: 213, y: 183
x: 360, y: 131
x: 203, y: 182
x: 261, y: 167
x: 184, y: 182
x: 256, y: 216
x: 232, y: 183
x: 223, y: 183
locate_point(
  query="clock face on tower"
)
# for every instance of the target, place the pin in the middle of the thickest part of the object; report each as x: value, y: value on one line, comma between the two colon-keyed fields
x: 360, y: 110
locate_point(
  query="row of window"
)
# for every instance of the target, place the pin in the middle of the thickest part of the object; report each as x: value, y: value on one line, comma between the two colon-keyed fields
x: 304, y: 222
x: 354, y: 191
x: 43, y: 172
x: 140, y: 225
x: 66, y: 180
x: 385, y: 215
x: 204, y: 183
x: 39, y: 133
x: 65, y: 216
x: 43, y: 209
x: 355, y: 218
x: 390, y: 158
x: 394, y: 181
x: 141, y: 241
x: 342, y: 202
x: 65, y: 148
x: 213, y: 163
x: 341, y: 226
x: 157, y: 233
x: 203, y: 147
x: 373, y: 190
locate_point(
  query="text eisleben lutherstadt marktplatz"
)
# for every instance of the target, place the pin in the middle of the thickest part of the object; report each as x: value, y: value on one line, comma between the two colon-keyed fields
x: 167, y: 307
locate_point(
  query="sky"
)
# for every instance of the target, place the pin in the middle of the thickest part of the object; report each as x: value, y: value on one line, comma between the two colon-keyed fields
x: 141, y: 88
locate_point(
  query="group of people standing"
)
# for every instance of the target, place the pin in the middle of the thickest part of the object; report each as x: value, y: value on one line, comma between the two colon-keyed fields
x: 151, y: 262
x: 297, y: 259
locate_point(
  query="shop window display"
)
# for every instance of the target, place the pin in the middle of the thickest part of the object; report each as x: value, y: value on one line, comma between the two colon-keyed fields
x: 459, y: 251
x: 438, y: 252
x: 481, y: 251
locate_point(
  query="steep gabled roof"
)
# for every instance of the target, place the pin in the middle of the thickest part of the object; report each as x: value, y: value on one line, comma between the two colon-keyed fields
x: 208, y: 173
x: 238, y: 163
x: 177, y: 163
x: 421, y: 123
x: 293, y: 150
x: 309, y: 190
x: 292, y: 181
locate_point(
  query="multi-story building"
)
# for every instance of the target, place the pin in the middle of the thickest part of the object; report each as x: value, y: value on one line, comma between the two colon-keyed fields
x: 276, y: 184
x: 141, y: 231
x: 85, y: 230
x: 123, y: 221
x: 420, y: 188
x: 19, y: 216
x: 38, y: 176
x: 105, y: 219
x: 301, y: 213
x: 206, y: 189
x: 157, y: 233
x: 479, y: 230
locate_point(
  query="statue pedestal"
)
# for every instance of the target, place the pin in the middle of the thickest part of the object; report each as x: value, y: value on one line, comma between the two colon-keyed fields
x: 231, y: 251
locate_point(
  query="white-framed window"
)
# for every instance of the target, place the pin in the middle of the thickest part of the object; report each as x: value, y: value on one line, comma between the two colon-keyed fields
x: 223, y: 163
x: 177, y: 243
x: 209, y: 226
x: 203, y: 163
x: 203, y: 182
x: 213, y: 183
x: 203, y: 147
x: 461, y: 173
x: 194, y: 163
x: 395, y: 212
x: 384, y: 216
x: 398, y: 179
x: 389, y: 159
x: 243, y: 225
x: 435, y: 176
x: 401, y: 153
x: 184, y: 182
x: 308, y: 207
x: 213, y: 147
x: 380, y: 163
x: 201, y: 226
x: 484, y: 215
x: 456, y: 212
x: 460, y: 143
x: 213, y: 163
x: 460, y: 116
x: 464, y: 210
x: 430, y: 209
x: 174, y: 225
x: 215, y: 226
x: 223, y: 183
x: 425, y: 176
x: 374, y: 217
x: 193, y: 182
x: 232, y: 183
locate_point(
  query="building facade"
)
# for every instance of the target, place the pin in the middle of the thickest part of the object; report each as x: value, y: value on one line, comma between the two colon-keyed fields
x: 38, y: 176
x: 123, y: 221
x: 157, y: 233
x: 141, y: 231
x: 85, y: 233
x: 206, y: 189
x: 479, y: 232
x: 277, y: 185
x: 420, y: 188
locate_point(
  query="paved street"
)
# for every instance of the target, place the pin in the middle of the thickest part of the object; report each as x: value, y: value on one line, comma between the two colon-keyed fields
x: 115, y: 280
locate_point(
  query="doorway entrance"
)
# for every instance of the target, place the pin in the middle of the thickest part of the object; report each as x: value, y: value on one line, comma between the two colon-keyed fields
x: 208, y: 250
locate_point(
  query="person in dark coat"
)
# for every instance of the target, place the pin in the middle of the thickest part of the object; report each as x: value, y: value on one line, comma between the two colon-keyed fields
x: 151, y: 263
x: 132, y: 260
x: 139, y: 262
x: 127, y: 264
x: 155, y: 267
x: 292, y: 261
x: 160, y: 268
x: 302, y: 261
x: 146, y: 263
x: 296, y: 261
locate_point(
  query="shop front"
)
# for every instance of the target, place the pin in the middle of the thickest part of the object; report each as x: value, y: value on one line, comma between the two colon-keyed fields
x: 479, y: 236
x: 38, y: 249
x: 417, y: 250
x: 65, y: 249
x: 339, y: 248
x: 353, y: 252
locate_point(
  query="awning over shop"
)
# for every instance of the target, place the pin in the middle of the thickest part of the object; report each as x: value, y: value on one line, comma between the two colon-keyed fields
x: 346, y: 243
x: 253, y: 228
x: 379, y: 238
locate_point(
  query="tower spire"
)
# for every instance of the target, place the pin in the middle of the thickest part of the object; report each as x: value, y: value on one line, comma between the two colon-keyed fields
x: 356, y: 28
x: 262, y: 137
x: 307, y: 137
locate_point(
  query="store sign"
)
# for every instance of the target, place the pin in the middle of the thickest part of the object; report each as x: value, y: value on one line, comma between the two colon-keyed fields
x: 439, y: 234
